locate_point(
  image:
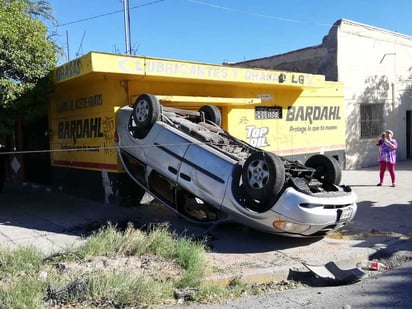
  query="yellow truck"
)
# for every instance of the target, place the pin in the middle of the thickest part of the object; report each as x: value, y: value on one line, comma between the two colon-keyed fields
x: 294, y: 115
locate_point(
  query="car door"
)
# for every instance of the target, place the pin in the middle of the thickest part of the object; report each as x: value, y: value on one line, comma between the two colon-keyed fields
x: 167, y: 153
x: 164, y: 160
x: 205, y: 173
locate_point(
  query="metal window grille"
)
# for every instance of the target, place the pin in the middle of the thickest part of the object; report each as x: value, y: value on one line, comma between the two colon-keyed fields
x: 371, y: 116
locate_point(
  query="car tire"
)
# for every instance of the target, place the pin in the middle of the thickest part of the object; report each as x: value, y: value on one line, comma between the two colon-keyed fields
x: 146, y: 111
x: 212, y: 114
x: 328, y: 170
x: 263, y: 176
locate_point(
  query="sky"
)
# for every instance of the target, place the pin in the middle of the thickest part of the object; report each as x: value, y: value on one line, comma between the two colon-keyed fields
x: 214, y: 31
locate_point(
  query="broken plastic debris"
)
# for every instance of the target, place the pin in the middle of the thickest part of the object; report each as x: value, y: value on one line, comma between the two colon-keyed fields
x: 331, y: 273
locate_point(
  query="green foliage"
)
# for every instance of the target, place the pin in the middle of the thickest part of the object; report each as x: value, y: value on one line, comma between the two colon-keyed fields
x: 25, y: 274
x: 19, y: 286
x: 124, y: 288
x: 110, y: 241
x: 27, y: 55
x: 24, y: 291
x: 21, y: 260
x: 191, y: 257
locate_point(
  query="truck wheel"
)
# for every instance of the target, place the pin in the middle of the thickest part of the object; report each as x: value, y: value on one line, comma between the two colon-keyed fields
x: 328, y: 170
x: 146, y: 111
x: 263, y: 176
x: 212, y: 114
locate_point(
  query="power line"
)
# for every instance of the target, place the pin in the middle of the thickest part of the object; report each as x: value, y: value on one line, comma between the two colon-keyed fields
x: 107, y: 14
x: 245, y: 12
x: 283, y: 19
x: 98, y: 148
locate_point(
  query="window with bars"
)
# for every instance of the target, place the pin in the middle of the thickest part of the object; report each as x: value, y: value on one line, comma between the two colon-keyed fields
x: 371, y: 117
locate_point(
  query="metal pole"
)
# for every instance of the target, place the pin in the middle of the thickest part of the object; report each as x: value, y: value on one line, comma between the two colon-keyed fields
x: 67, y: 43
x: 126, y: 25
x: 129, y: 30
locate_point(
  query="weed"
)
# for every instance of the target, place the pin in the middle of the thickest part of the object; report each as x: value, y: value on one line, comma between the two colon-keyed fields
x: 29, y: 280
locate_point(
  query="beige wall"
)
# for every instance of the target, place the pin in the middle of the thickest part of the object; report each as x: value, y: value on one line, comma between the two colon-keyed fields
x: 375, y: 66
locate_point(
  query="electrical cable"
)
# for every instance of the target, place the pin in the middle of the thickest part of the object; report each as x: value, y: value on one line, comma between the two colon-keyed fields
x: 94, y: 148
x: 107, y: 14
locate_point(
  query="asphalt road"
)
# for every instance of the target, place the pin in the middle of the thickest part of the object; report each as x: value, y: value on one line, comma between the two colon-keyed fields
x: 379, y: 291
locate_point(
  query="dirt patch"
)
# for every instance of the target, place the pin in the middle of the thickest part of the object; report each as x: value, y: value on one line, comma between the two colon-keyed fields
x: 237, y: 264
x: 154, y: 266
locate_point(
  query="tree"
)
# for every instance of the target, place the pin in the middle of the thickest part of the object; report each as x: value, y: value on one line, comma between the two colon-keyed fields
x: 27, y: 55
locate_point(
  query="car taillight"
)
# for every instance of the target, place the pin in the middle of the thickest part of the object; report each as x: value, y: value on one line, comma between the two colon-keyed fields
x: 116, y: 137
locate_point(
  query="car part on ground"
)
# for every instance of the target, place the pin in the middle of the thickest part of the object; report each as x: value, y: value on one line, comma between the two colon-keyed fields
x: 189, y: 163
x: 326, y: 275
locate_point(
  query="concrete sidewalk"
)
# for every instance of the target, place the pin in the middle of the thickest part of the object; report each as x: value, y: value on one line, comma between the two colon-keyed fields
x: 52, y: 221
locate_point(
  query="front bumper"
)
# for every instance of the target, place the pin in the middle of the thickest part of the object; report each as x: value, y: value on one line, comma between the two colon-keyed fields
x: 302, y: 215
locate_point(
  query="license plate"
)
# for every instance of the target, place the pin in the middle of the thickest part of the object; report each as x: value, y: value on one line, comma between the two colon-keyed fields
x: 344, y: 214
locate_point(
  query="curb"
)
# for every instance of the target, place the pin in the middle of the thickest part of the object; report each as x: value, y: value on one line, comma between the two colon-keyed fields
x: 392, y: 250
x: 277, y: 274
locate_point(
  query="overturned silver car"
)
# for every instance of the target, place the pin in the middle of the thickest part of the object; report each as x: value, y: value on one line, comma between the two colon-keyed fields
x: 188, y: 162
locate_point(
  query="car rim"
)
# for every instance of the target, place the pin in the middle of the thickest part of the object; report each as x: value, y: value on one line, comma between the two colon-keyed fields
x: 258, y: 174
x: 142, y: 111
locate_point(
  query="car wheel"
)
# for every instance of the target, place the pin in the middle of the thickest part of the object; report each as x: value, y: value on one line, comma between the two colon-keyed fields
x: 263, y: 176
x: 146, y: 111
x: 212, y: 114
x: 328, y: 170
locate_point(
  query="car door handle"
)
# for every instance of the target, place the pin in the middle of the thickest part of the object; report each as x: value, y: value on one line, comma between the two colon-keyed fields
x: 172, y: 170
x: 185, y: 177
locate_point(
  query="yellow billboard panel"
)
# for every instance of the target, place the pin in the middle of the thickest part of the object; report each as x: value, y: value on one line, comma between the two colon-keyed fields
x: 313, y: 123
x: 288, y: 113
x: 84, y: 142
x: 82, y: 125
x: 166, y: 69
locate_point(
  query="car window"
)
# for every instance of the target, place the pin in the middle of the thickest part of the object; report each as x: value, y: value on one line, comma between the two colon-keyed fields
x: 162, y: 188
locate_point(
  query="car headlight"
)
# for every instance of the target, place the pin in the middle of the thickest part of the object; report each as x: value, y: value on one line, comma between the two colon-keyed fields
x: 290, y: 227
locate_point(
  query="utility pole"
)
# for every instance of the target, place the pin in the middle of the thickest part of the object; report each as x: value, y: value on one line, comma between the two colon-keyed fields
x: 127, y: 35
x: 67, y: 43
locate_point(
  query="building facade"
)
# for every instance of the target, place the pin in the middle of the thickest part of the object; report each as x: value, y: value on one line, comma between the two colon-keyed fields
x: 292, y: 114
x: 375, y: 66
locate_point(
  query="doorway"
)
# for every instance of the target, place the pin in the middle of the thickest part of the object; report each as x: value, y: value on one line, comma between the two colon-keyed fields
x: 408, y: 134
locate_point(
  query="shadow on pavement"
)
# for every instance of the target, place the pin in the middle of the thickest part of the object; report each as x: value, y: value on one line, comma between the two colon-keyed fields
x: 235, y: 238
x: 42, y: 211
x: 392, y: 218
x: 55, y: 212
